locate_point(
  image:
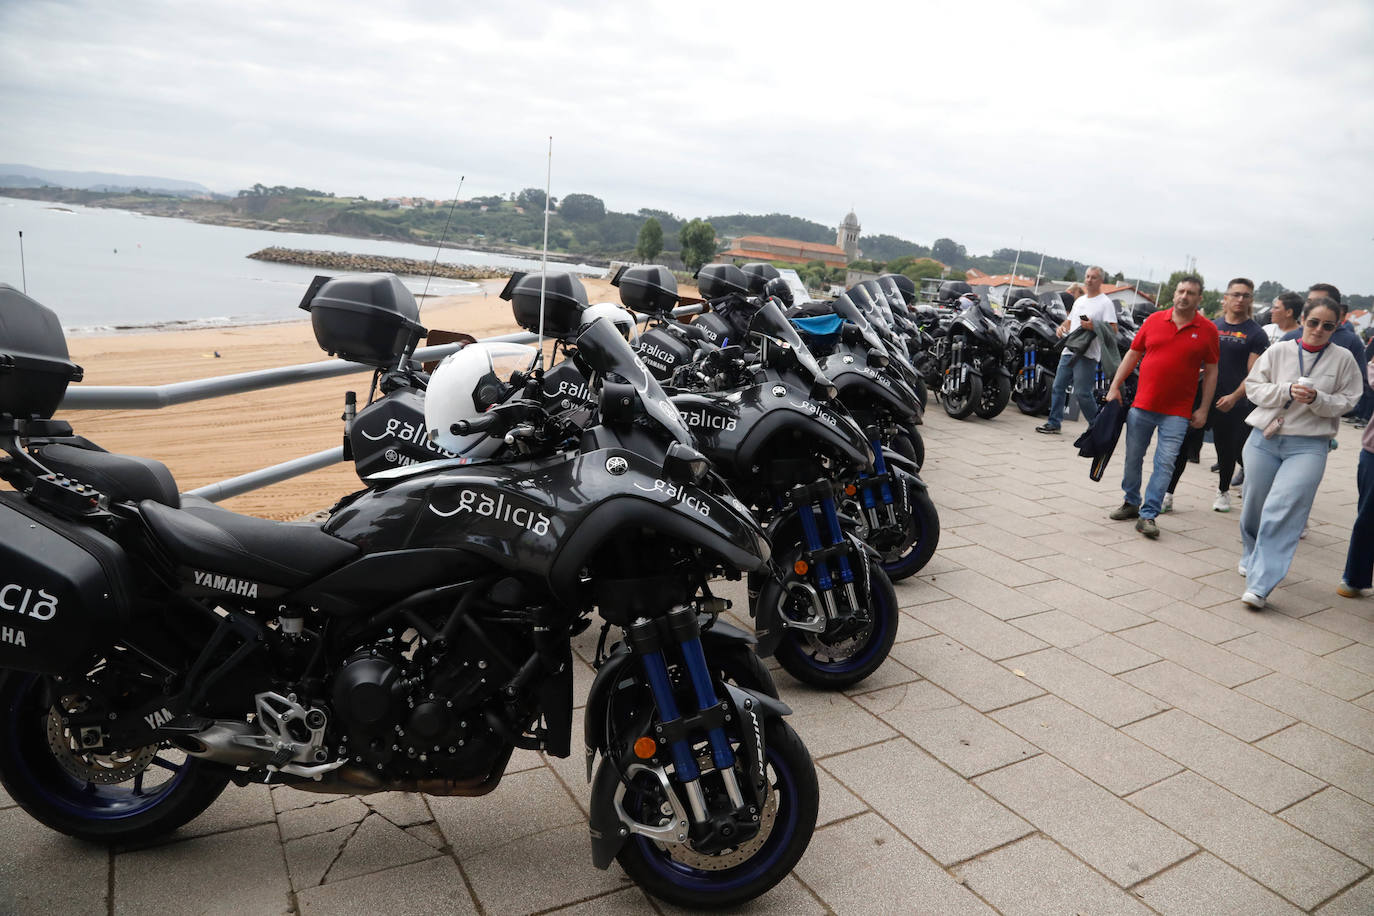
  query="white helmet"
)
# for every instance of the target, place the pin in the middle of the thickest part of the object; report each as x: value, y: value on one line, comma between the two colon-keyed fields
x: 464, y: 386
x: 621, y: 318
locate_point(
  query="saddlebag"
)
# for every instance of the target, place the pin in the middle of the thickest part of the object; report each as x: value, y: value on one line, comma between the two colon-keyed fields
x: 64, y: 589
x: 663, y: 352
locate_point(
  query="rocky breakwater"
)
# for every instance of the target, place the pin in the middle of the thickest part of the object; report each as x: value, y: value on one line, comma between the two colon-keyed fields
x: 368, y: 263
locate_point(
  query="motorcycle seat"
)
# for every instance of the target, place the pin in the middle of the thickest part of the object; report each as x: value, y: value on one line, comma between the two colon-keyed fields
x: 286, y: 554
x: 121, y: 477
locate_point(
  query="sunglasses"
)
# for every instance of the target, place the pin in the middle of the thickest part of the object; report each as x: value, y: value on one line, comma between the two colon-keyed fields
x: 1314, y: 323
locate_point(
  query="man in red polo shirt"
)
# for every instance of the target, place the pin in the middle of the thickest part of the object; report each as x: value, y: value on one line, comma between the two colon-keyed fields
x: 1170, y: 347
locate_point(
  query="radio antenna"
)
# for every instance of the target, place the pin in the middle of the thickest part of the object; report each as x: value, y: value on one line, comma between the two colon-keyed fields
x: 443, y: 238
x: 544, y: 265
x: 22, y: 269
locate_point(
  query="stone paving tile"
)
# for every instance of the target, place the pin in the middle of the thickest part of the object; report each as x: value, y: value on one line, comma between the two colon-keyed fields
x: 404, y: 809
x: 941, y: 813
x: 236, y: 808
x: 1314, y: 670
x: 837, y: 802
x: 1301, y: 869
x: 916, y: 590
x: 237, y: 872
x: 1101, y: 829
x: 788, y: 896
x: 1058, y: 629
x: 429, y: 834
x: 964, y: 739
x: 1349, y: 625
x: 43, y: 871
x: 1358, y: 901
x: 1147, y: 600
x: 987, y: 594
x: 1207, y: 886
x: 434, y: 886
x: 1257, y: 777
x: 330, y: 814
x: 1109, y: 699
x: 1208, y: 700
x: 910, y: 627
x: 982, y: 684
x: 1007, y: 543
x: 523, y: 804
x: 1295, y: 632
x: 1224, y: 667
x: 995, y: 565
x: 829, y: 723
x: 983, y: 633
x: 309, y: 858
x: 1101, y: 582
x: 1338, y: 819
x: 1103, y: 613
x: 517, y: 878
x: 1344, y: 720
x: 1326, y: 757
x: 1113, y: 654
x: 1170, y: 583
x: 1204, y: 625
x: 891, y: 673
x: 5, y: 800
x: 1013, y: 879
x: 899, y: 706
x: 377, y: 845
x: 1105, y: 755
x: 632, y: 902
x: 864, y: 866
x: 1356, y: 655
x: 1366, y: 701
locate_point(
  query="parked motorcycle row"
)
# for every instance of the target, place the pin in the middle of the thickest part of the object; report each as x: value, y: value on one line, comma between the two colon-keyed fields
x: 158, y: 647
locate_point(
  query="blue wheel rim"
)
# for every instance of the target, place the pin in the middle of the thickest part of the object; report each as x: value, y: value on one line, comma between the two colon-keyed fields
x: 26, y: 741
x: 884, y: 616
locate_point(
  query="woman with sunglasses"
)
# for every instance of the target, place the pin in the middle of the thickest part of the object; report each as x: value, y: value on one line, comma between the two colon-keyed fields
x: 1300, y: 389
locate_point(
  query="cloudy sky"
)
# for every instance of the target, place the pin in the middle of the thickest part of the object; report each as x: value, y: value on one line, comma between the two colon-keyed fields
x: 1240, y: 133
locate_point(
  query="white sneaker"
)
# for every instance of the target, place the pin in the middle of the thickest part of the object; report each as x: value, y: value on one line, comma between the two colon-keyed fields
x: 1303, y: 533
x: 1240, y: 568
x: 1251, y: 600
x: 1222, y: 503
x: 1168, y: 504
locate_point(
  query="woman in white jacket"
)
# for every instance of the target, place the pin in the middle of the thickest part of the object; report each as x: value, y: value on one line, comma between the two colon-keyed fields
x: 1300, y: 390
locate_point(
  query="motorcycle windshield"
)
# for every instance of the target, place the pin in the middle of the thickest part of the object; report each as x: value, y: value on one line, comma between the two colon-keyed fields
x: 849, y: 310
x: 770, y: 322
x: 608, y: 353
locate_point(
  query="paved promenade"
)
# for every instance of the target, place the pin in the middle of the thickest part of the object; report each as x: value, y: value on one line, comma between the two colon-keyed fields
x: 1075, y: 720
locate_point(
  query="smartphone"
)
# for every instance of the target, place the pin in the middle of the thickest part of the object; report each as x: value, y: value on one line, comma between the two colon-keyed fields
x: 1084, y: 318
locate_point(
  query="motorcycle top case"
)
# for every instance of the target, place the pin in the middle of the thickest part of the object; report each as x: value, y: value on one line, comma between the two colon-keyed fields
x: 717, y: 280
x: 663, y: 352
x: 564, y: 301
x: 364, y: 318
x: 64, y: 589
x: 649, y: 288
x: 34, y: 366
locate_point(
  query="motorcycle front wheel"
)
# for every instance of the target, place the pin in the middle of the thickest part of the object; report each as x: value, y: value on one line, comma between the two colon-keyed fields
x: 996, y: 394
x: 922, y: 537
x: 910, y: 445
x: 678, y: 874
x: 834, y: 660
x: 959, y: 406
x: 1036, y: 401
x: 125, y: 797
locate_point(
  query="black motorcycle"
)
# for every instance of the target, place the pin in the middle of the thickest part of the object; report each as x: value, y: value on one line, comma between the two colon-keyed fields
x: 970, y: 361
x: 1037, y: 344
x: 162, y: 648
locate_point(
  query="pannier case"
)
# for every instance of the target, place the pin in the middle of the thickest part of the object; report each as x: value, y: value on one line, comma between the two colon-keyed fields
x: 34, y: 365
x: 364, y: 318
x: 717, y: 280
x: 662, y: 352
x: 650, y: 289
x: 564, y: 301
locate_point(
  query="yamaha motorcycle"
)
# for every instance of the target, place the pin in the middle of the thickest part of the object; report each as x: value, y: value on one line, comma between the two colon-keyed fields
x: 969, y: 368
x: 1037, y: 343
x: 161, y: 648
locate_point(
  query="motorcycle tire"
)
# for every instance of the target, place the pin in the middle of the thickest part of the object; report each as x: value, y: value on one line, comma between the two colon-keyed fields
x: 922, y: 394
x: 959, y: 408
x: 691, y: 880
x: 98, y: 798
x: 925, y: 524
x: 800, y: 652
x: 996, y: 395
x: 910, y: 445
x: 1036, y: 402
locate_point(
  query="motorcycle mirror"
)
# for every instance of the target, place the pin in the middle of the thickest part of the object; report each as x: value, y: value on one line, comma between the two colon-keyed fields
x: 877, y: 360
x: 824, y: 389
x: 684, y: 464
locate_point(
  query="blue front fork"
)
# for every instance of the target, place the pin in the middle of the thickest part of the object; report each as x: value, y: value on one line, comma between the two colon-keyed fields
x: 647, y: 639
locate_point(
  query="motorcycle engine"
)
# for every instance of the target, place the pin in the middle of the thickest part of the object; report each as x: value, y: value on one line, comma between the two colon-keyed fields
x: 413, y: 718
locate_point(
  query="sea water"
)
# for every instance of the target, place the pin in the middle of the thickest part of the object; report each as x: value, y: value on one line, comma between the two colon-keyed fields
x: 106, y: 270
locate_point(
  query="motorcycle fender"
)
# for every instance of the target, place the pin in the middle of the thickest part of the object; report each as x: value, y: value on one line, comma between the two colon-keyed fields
x: 905, y: 467
x: 754, y: 709
x: 1003, y: 371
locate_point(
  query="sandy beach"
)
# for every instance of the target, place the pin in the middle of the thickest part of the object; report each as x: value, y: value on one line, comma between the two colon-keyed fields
x: 208, y: 441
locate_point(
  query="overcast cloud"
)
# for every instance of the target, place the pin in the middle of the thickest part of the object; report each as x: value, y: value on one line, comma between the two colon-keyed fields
x: 1239, y: 133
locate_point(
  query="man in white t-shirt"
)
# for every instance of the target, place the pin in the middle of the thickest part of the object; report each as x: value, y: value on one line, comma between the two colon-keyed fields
x: 1092, y: 307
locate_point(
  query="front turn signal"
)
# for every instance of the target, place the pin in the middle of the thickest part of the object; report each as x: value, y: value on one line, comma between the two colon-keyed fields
x: 801, y: 567
x: 645, y: 748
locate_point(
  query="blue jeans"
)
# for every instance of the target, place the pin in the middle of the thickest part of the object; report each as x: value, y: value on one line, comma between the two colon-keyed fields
x: 1084, y: 374
x: 1141, y: 425
x: 1281, y: 478
x: 1359, y: 562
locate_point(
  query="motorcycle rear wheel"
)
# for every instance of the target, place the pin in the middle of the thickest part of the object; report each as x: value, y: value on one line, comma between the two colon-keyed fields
x: 836, y: 663
x: 692, y: 880
x: 924, y: 523
x: 959, y: 407
x: 996, y: 394
x: 114, y: 798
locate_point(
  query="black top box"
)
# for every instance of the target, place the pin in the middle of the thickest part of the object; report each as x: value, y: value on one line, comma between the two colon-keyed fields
x: 648, y: 288
x: 364, y: 318
x: 718, y: 280
x: 759, y: 273
x: 564, y: 301
x: 34, y: 365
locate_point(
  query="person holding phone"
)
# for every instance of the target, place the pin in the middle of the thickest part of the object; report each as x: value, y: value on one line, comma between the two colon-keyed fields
x: 1080, y: 367
x: 1299, y: 388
